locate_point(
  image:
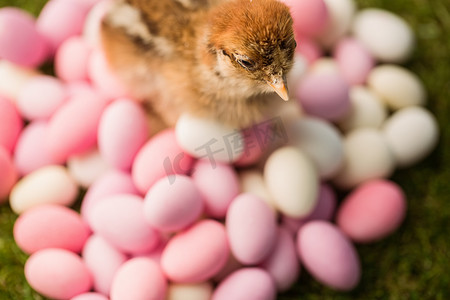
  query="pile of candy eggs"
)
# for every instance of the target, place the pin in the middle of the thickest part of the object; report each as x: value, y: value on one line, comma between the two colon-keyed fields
x: 203, y: 211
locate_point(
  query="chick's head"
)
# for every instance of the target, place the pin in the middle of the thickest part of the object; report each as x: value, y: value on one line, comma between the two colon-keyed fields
x: 254, y: 41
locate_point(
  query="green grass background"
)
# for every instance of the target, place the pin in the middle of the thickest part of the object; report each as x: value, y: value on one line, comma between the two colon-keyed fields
x: 413, y: 263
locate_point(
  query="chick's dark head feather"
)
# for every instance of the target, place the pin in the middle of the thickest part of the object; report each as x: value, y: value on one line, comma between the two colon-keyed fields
x: 257, y: 38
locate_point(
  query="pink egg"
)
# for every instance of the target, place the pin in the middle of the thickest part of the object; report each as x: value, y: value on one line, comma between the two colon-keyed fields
x: 8, y: 174
x: 139, y: 279
x: 325, y: 95
x: 372, y: 211
x: 308, y: 48
x: 50, y: 226
x: 60, y: 20
x: 324, y: 210
x: 196, y: 254
x: 72, y: 58
x: 328, y: 255
x: 165, y: 157
x: 73, y: 128
x: 254, y: 148
x: 41, y: 97
x: 251, y: 228
x: 354, y: 60
x: 20, y: 42
x: 30, y: 153
x: 120, y: 220
x: 112, y: 183
x: 310, y: 16
x: 103, y: 260
x: 122, y: 131
x: 245, y: 284
x: 218, y: 185
x: 57, y: 274
x: 282, y: 264
x: 103, y: 78
x: 90, y: 296
x: 11, y: 124
x: 173, y: 203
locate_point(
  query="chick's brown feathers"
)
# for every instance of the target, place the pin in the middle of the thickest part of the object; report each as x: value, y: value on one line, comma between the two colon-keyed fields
x: 210, y: 58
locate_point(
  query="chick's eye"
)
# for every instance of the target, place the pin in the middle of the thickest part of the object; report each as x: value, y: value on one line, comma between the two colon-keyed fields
x: 248, y: 64
x: 244, y: 61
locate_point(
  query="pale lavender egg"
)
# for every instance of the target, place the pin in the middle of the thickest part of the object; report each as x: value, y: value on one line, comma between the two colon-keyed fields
x: 173, y: 205
x: 324, y: 95
x: 328, y: 255
x: 354, y: 60
x: 246, y: 283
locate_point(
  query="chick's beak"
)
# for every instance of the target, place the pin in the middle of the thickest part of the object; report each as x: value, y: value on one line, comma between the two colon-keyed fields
x: 279, y: 85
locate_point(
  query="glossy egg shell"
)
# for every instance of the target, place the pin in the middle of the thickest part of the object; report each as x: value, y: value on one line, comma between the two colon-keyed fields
x: 57, y: 273
x: 50, y: 226
x: 328, y: 255
x: 372, y: 211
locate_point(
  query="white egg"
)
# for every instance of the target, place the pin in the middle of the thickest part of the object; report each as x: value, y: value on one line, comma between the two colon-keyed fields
x: 321, y: 142
x: 86, y: 168
x: 193, y: 291
x: 209, y: 139
x: 387, y: 36
x: 325, y: 65
x: 411, y: 134
x: 47, y: 185
x: 397, y: 86
x: 13, y: 79
x: 252, y: 181
x: 367, y: 110
x: 292, y: 180
x: 366, y: 156
x: 340, y: 14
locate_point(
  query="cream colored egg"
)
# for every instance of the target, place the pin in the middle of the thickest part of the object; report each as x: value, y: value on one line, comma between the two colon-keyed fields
x: 367, y: 110
x: 13, y: 78
x: 86, y: 168
x: 195, y: 291
x: 47, y: 185
x: 292, y: 180
x: 252, y: 181
x: 366, y: 156
x: 340, y: 14
x: 321, y: 142
x: 209, y: 139
x: 411, y: 134
x: 386, y: 35
x: 397, y: 86
x: 325, y: 65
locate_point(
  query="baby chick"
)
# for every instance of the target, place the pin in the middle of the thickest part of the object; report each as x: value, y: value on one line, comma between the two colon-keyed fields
x: 211, y: 58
